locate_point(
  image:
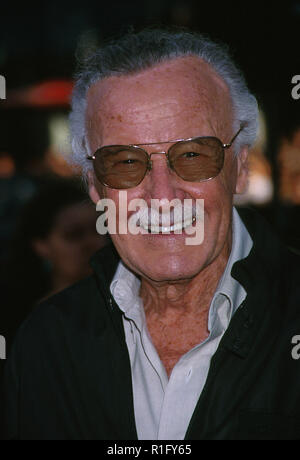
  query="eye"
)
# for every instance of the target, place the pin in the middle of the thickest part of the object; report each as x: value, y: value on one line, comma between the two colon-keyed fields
x: 190, y: 155
x: 129, y: 161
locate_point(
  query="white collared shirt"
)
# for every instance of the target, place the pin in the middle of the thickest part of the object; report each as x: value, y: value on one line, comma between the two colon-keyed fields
x: 163, y: 407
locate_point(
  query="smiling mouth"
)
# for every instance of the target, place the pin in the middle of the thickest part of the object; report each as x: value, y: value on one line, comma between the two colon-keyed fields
x: 167, y: 229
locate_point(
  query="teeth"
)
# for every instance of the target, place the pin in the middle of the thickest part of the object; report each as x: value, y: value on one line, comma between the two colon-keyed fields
x: 168, y: 229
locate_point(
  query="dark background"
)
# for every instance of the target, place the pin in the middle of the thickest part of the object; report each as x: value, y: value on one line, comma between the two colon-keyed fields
x: 40, y: 42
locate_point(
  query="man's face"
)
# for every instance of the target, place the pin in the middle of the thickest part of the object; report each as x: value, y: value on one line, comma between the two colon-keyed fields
x: 178, y: 99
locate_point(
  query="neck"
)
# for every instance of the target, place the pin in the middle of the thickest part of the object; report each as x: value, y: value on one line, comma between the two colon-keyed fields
x: 60, y: 282
x: 188, y: 297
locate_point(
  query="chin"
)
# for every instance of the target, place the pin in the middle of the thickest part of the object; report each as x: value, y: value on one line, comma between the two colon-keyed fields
x: 162, y: 259
x: 169, y: 268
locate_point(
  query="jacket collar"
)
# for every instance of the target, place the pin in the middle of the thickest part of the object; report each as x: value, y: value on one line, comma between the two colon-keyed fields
x: 105, y: 262
x: 259, y: 274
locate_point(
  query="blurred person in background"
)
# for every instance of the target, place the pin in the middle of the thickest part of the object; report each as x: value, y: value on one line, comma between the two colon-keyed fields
x: 23, y: 168
x: 55, y: 239
x: 288, y: 210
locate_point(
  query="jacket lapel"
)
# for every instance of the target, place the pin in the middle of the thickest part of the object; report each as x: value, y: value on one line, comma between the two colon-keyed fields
x: 105, y: 263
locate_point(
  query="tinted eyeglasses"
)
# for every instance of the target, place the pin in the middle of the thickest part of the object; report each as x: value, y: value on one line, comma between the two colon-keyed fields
x: 196, y: 159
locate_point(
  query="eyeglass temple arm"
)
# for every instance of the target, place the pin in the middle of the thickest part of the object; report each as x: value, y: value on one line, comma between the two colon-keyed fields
x: 226, y: 146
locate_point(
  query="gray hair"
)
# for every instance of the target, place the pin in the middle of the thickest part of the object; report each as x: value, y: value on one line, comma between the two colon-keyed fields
x: 135, y: 52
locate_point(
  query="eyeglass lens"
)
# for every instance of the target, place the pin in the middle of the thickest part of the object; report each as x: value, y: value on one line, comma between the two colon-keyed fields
x: 124, y: 167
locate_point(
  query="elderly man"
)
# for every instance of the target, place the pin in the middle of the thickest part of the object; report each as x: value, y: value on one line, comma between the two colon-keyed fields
x: 167, y: 340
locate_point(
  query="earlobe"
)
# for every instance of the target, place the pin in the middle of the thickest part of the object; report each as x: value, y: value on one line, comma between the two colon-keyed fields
x: 93, y: 192
x: 242, y: 172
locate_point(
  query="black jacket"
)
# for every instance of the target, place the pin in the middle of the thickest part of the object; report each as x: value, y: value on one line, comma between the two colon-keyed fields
x: 68, y: 375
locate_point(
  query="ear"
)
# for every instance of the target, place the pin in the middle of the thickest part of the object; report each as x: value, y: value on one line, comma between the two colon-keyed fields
x: 242, y: 171
x: 93, y: 190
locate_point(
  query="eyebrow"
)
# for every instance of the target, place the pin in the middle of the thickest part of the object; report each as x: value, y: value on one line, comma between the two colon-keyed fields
x: 242, y: 126
x: 165, y: 142
x: 225, y: 146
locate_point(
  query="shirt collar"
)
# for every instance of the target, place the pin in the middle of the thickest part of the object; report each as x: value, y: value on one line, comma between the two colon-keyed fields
x: 228, y: 286
x: 125, y: 288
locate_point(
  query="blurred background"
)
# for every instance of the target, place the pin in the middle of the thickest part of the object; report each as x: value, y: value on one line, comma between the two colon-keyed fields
x: 38, y: 50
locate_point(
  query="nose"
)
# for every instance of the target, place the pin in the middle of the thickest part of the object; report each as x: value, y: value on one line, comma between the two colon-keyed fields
x: 162, y: 182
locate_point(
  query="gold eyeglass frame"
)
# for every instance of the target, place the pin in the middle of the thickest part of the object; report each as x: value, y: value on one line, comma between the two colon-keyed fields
x: 173, y: 142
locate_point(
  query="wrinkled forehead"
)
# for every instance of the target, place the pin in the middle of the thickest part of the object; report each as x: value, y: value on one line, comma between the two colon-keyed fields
x: 172, y: 92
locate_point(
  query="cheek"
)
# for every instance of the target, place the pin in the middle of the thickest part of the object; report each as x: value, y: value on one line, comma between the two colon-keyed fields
x: 218, y: 201
x: 64, y: 252
x: 125, y: 243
